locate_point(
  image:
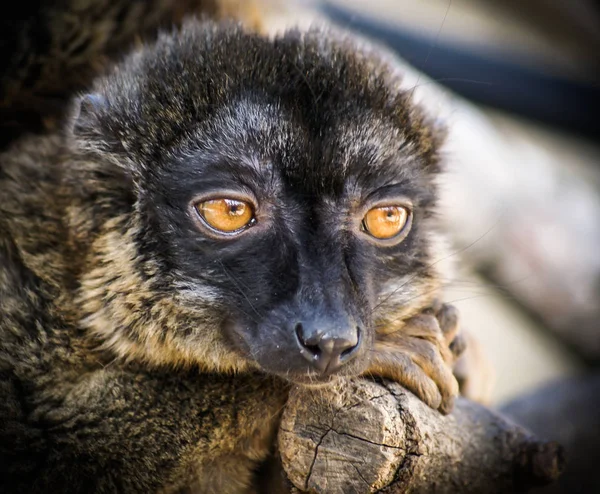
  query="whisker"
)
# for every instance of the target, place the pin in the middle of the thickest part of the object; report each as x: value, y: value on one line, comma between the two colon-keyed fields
x: 432, y: 47
x: 234, y: 281
x: 419, y: 271
x: 487, y: 284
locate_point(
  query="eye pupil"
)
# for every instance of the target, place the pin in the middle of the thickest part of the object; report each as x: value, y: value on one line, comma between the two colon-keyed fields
x: 236, y: 208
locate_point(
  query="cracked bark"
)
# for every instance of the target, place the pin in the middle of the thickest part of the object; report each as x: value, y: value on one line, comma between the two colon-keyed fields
x: 364, y: 437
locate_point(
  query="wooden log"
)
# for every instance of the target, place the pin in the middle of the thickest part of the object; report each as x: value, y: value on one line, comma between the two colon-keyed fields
x: 363, y: 436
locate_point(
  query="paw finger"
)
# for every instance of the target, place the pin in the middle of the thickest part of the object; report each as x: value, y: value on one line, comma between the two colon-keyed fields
x: 422, y: 326
x: 441, y: 374
x: 448, y: 319
x: 458, y: 346
x: 402, y: 369
x: 417, y: 382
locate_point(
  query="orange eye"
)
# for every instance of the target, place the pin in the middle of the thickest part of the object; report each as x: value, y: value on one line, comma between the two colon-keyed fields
x: 226, y: 215
x: 386, y: 221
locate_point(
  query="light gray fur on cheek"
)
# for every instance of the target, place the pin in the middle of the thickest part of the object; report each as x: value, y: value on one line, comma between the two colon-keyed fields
x: 192, y: 292
x: 400, y: 291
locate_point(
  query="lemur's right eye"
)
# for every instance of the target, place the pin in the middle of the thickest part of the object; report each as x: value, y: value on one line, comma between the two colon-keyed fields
x: 226, y: 215
x: 385, y: 222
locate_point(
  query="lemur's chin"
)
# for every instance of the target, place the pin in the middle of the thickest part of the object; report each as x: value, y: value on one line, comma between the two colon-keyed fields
x: 315, y: 382
x: 311, y: 379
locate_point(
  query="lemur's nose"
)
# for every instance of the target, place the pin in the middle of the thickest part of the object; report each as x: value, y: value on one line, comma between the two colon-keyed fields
x: 328, y: 348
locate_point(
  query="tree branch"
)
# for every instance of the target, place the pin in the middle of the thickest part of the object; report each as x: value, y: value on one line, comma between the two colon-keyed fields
x: 363, y: 436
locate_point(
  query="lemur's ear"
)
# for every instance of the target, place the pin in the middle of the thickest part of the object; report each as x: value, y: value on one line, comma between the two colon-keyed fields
x: 88, y: 126
x: 91, y: 103
x: 95, y: 131
x: 85, y: 113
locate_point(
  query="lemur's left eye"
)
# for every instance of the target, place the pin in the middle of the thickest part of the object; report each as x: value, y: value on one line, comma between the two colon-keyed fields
x: 226, y: 215
x: 385, y: 222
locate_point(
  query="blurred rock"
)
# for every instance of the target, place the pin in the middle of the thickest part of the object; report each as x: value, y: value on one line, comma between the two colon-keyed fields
x: 567, y: 411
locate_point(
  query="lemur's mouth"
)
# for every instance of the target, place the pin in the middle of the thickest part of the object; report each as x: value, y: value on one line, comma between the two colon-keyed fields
x: 311, y: 378
x: 316, y: 381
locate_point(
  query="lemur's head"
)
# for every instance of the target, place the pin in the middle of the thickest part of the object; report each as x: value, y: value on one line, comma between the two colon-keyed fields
x: 254, y: 202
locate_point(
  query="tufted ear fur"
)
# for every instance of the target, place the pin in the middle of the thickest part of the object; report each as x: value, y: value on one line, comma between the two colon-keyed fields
x: 98, y: 141
x: 87, y: 125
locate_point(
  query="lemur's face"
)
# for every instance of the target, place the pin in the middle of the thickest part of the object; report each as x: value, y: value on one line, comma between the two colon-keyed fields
x: 284, y: 194
x: 294, y: 230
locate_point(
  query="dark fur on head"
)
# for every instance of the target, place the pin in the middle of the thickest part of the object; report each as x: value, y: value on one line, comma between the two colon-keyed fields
x: 307, y: 125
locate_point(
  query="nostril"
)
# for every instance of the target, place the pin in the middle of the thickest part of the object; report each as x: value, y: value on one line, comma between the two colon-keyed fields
x: 351, y: 346
x: 314, y: 350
